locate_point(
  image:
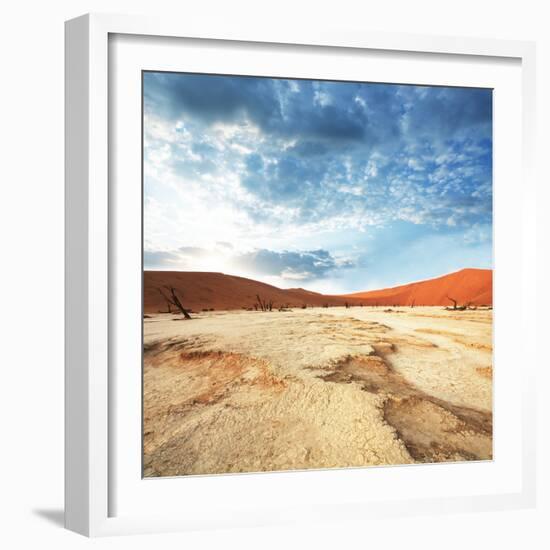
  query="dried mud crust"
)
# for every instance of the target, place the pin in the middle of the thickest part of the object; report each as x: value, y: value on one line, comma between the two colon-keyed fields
x: 178, y: 384
x: 459, y: 338
x: 247, y: 392
x: 433, y: 430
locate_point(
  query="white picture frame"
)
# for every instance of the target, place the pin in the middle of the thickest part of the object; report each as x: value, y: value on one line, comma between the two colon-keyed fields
x: 91, y: 222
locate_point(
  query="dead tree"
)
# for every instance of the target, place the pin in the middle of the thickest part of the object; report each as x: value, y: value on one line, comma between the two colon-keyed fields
x: 172, y: 299
x: 412, y: 303
x: 456, y: 307
x: 263, y: 305
x: 260, y: 303
x: 455, y: 303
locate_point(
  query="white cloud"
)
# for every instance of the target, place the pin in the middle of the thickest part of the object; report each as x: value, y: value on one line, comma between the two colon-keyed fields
x: 415, y: 164
x: 322, y: 98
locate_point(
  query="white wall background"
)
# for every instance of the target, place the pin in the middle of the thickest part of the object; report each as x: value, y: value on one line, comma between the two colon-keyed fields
x: 31, y: 274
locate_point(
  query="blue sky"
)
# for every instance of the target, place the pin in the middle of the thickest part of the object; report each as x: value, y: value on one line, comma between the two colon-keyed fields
x: 331, y: 186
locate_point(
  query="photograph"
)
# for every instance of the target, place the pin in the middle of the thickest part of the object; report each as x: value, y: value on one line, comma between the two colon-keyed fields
x: 317, y: 274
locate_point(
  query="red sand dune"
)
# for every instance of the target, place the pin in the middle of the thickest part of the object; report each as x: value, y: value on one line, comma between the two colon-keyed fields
x: 473, y: 286
x: 205, y: 290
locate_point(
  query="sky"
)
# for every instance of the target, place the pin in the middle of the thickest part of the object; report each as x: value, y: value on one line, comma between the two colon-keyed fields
x: 330, y: 186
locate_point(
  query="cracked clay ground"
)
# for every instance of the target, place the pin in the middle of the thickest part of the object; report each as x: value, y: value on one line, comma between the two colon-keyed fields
x: 316, y: 388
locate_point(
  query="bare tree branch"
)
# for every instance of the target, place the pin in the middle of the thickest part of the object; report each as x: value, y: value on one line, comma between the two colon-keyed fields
x: 173, y: 299
x: 455, y: 303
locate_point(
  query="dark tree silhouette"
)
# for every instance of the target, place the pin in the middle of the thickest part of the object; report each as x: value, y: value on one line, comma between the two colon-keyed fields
x: 172, y: 299
x: 455, y: 303
x: 456, y: 307
x: 263, y: 305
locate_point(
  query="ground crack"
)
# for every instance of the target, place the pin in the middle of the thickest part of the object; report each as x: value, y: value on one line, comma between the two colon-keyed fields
x: 433, y: 430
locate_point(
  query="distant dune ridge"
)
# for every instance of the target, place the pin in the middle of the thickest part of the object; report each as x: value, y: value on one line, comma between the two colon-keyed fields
x: 207, y: 290
x: 467, y: 285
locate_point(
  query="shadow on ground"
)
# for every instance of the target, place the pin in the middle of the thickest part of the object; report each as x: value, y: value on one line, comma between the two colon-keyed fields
x: 53, y: 516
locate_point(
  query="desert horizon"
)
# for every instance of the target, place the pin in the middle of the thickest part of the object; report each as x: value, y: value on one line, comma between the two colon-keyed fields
x: 317, y: 284
x: 245, y: 389
x: 220, y: 291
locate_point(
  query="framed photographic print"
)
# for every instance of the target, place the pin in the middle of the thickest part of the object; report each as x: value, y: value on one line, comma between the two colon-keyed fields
x: 289, y: 262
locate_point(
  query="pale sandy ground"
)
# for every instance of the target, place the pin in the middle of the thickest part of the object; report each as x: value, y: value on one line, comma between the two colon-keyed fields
x: 316, y: 388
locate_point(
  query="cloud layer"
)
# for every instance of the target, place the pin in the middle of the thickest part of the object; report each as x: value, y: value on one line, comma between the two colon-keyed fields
x: 290, y: 172
x: 306, y: 265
